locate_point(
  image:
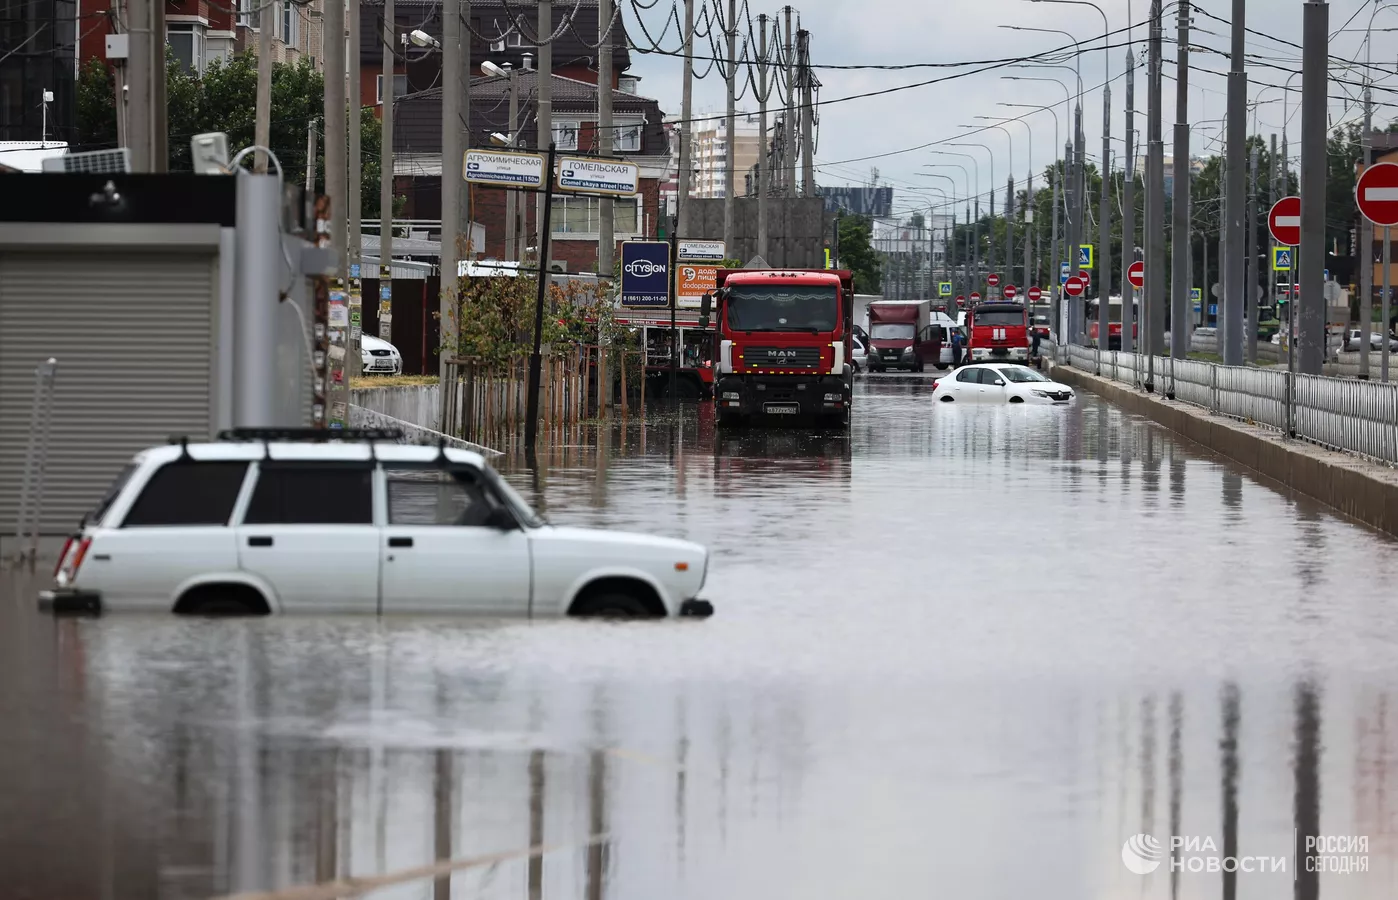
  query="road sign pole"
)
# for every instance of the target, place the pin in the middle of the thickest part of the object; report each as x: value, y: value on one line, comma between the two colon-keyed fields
x: 1314, y: 175
x: 674, y: 291
x: 531, y: 421
x: 1386, y: 308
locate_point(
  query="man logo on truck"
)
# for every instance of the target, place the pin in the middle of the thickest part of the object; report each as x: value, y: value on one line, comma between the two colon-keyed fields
x: 789, y: 353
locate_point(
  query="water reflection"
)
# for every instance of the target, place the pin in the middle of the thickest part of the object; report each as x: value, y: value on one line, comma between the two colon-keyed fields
x: 936, y: 613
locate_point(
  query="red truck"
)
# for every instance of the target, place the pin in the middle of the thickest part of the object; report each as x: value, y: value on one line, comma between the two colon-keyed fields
x: 901, y: 335
x: 998, y: 332
x: 782, y: 344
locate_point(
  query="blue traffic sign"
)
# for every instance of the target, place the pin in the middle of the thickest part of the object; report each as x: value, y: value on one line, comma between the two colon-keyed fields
x: 1063, y: 272
x: 1196, y: 294
x: 1213, y: 309
x: 1084, y: 256
x: 354, y: 270
x: 1281, y: 259
x: 645, y: 273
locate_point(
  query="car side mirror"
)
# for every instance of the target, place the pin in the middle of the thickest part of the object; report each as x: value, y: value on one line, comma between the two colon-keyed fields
x: 998, y: 382
x: 501, y: 519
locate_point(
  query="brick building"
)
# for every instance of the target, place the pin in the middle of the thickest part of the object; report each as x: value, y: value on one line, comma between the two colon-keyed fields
x: 417, y: 141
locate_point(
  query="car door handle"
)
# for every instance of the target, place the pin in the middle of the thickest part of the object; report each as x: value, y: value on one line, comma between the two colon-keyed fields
x: 400, y: 542
x: 259, y: 542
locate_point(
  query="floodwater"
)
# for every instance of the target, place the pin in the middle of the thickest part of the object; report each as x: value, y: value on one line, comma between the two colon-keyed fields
x: 961, y: 652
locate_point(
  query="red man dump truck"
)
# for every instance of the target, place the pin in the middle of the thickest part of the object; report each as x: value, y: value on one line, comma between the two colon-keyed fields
x: 783, y: 345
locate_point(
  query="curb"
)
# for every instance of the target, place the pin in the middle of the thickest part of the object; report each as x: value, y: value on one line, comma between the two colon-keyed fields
x: 1363, y: 490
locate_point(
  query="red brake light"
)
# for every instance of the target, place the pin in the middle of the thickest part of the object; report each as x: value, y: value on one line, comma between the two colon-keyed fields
x: 67, y: 545
x: 69, y: 569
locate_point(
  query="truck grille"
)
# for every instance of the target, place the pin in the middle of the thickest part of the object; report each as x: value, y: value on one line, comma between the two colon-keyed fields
x: 782, y: 357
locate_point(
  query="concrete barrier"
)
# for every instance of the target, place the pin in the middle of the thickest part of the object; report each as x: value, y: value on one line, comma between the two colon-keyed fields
x: 412, y: 433
x: 1363, y: 490
x: 419, y: 404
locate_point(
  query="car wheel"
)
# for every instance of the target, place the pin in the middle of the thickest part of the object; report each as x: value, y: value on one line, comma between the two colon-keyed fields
x: 1016, y: 399
x: 947, y: 398
x: 942, y: 367
x: 222, y: 601
x: 613, y: 606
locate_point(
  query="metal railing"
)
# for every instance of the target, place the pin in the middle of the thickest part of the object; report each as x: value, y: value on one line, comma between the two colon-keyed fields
x: 31, y: 492
x: 1358, y: 417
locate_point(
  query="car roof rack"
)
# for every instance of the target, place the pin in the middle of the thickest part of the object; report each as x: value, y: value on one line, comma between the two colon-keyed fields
x: 312, y: 435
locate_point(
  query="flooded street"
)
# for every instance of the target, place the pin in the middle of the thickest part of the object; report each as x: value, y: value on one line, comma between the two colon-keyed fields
x: 961, y: 652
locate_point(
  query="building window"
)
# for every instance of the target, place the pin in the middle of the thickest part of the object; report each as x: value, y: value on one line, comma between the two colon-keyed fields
x: 628, y: 136
x: 290, y: 24
x: 248, y: 15
x: 627, y: 84
x: 565, y: 135
x: 579, y: 215
x: 186, y: 41
x: 400, y: 87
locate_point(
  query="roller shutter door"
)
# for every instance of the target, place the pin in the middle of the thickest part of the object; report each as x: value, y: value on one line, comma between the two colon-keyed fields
x: 133, y: 335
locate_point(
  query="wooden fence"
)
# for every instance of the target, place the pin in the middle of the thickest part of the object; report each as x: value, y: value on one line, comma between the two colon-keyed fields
x: 486, y: 400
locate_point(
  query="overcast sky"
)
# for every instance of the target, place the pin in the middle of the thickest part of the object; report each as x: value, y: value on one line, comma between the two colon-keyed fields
x: 897, y: 32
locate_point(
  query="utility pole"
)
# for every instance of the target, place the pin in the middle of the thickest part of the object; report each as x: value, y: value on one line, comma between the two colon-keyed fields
x: 1366, y: 242
x: 138, y: 81
x: 1104, y: 229
x: 1009, y: 229
x: 388, y: 83
x: 606, y: 211
x: 808, y: 122
x: 788, y: 175
x: 1234, y: 283
x: 1074, y: 213
x: 1250, y: 292
x: 1179, y: 299
x: 1028, y: 217
x: 452, y: 176
x: 1080, y: 219
x: 354, y: 180
x: 159, y: 127
x: 544, y: 98
x: 730, y: 168
x: 764, y: 156
x: 1056, y: 289
x: 685, y: 130
x: 514, y: 229
x: 1271, y: 242
x: 262, y: 122
x: 1155, y: 191
x: 1314, y: 58
x: 335, y: 169
x: 1128, y: 210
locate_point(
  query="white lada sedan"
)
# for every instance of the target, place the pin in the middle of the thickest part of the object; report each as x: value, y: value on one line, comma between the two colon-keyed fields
x: 999, y: 383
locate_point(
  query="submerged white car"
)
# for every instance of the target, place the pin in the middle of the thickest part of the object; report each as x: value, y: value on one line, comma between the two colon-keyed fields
x: 999, y: 383
x: 379, y: 357
x: 286, y: 521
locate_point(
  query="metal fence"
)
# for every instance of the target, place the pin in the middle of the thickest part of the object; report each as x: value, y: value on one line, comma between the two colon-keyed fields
x: 1340, y: 413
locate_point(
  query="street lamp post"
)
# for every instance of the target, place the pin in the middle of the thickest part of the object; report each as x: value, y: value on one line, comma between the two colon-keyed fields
x: 1009, y: 196
x: 991, y: 246
x: 966, y: 257
x: 976, y: 222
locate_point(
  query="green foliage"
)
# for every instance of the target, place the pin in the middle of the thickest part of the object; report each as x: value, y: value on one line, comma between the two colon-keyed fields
x: 224, y: 99
x: 495, y: 318
x: 857, y: 253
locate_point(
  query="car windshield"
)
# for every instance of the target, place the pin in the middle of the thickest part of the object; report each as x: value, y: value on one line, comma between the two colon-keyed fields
x: 518, y: 504
x: 999, y: 317
x: 783, y: 307
x: 1021, y: 375
x: 891, y: 331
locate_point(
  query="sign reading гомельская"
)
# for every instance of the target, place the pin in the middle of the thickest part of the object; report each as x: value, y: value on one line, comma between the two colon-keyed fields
x: 598, y: 176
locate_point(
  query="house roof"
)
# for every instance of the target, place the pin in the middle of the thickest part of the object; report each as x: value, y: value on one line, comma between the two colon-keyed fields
x: 418, y: 117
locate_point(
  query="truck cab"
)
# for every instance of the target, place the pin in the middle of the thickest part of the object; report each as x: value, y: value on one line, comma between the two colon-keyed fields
x: 998, y: 332
x: 901, y: 335
x: 783, y: 345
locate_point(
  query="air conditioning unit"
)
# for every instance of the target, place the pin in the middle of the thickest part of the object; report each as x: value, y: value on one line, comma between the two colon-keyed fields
x: 558, y: 266
x: 497, y: 47
x: 100, y: 162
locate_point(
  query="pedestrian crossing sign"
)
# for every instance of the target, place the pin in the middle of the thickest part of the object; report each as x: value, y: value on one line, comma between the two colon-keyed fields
x: 1085, y: 256
x: 1281, y: 259
x: 944, y: 289
x: 1196, y: 294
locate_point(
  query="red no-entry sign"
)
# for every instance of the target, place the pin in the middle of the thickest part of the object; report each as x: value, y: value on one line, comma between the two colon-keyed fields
x: 1074, y: 286
x: 1010, y: 291
x: 1136, y: 274
x: 960, y: 298
x: 1034, y: 294
x: 1376, y: 192
x: 1284, y: 221
x: 975, y: 296
x: 992, y: 279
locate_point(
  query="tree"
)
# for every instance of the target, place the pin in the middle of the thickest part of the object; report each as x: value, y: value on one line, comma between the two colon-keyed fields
x: 224, y: 99
x: 857, y: 252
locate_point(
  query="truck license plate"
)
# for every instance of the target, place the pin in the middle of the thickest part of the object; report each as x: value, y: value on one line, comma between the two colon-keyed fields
x: 783, y: 409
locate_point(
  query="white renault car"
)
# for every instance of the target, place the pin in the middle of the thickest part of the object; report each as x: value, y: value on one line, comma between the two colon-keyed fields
x: 999, y: 383
x: 379, y: 357
x: 286, y: 521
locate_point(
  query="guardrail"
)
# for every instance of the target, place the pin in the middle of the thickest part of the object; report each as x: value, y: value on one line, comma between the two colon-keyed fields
x: 1358, y: 417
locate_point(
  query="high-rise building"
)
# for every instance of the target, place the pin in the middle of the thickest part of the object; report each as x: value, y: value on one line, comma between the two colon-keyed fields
x: 710, y: 153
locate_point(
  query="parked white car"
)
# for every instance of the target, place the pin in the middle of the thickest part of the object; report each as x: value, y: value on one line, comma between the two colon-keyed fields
x: 287, y: 522
x: 1354, y: 338
x: 999, y: 383
x: 859, y: 354
x: 379, y: 357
